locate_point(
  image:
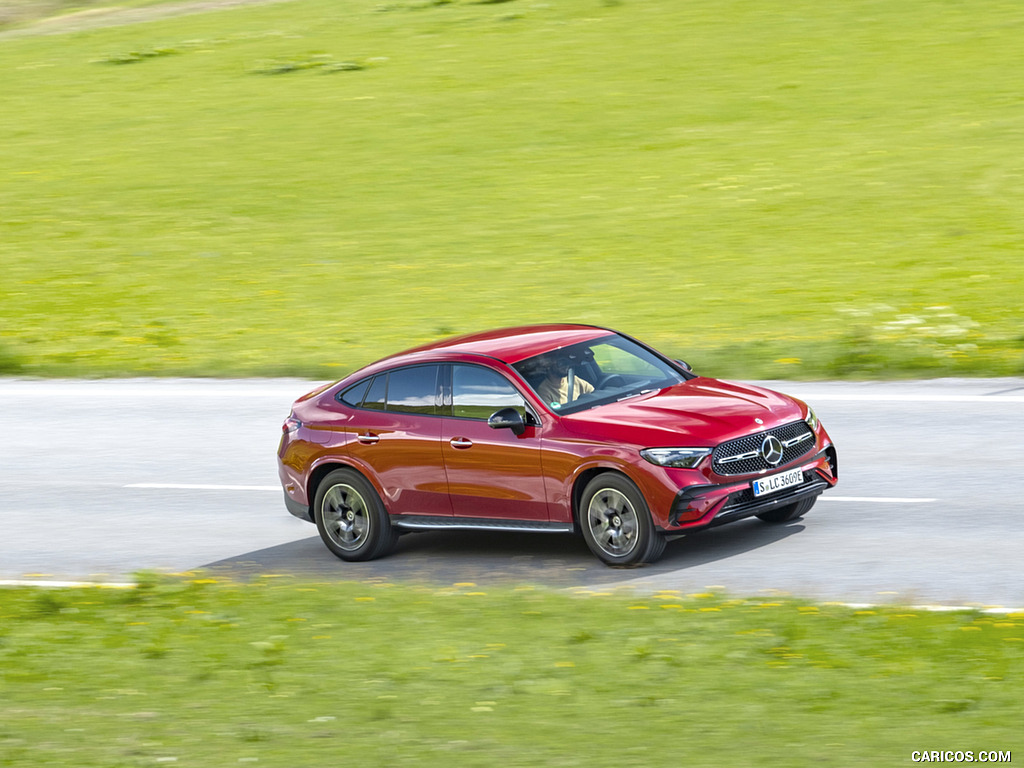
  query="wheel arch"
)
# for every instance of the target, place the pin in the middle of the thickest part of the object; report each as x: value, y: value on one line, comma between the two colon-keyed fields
x: 583, y: 478
x: 320, y: 471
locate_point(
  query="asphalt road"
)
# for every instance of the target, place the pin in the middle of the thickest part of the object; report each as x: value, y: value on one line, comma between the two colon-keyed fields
x: 100, y: 479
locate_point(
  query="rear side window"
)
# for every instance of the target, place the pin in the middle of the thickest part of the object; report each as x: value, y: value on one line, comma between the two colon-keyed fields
x: 478, y: 392
x: 354, y: 395
x: 375, y: 397
x: 406, y: 390
x: 413, y: 390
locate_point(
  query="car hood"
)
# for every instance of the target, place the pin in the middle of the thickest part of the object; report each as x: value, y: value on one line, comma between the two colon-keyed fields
x: 699, y: 411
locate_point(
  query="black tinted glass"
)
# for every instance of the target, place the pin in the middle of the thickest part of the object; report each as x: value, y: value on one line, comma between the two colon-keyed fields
x: 478, y: 392
x: 375, y: 397
x: 597, y: 372
x: 413, y: 390
x: 354, y: 395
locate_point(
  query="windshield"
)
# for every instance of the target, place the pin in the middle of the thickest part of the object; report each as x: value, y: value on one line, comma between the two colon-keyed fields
x: 596, y: 372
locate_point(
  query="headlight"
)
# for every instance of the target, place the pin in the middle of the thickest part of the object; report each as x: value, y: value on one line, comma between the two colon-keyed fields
x: 683, y: 458
x: 812, y: 419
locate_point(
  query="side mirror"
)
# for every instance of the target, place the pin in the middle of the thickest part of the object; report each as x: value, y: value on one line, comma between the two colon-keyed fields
x: 684, y: 365
x: 507, y: 418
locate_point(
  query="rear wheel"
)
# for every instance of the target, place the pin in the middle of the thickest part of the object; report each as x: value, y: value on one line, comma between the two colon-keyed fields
x: 616, y: 522
x: 351, y: 517
x: 789, y: 512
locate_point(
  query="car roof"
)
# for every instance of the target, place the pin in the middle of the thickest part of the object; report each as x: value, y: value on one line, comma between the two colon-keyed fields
x: 510, y: 345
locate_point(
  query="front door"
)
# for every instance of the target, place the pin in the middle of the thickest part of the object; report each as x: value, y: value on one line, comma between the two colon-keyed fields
x: 492, y: 473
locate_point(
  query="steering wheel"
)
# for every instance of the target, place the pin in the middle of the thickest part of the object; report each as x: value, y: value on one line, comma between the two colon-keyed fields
x: 612, y: 380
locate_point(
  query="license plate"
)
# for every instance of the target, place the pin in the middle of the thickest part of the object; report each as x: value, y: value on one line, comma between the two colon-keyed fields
x: 774, y: 483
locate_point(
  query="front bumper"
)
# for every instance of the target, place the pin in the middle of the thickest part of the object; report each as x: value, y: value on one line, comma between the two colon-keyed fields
x: 708, y: 506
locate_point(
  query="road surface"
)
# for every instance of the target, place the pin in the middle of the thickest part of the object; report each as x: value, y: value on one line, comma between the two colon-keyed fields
x: 101, y: 479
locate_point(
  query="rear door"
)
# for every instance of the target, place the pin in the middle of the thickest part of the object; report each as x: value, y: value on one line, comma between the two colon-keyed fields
x: 397, y: 434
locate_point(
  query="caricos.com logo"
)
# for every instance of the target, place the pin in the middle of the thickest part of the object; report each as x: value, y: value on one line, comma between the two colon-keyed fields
x: 960, y: 756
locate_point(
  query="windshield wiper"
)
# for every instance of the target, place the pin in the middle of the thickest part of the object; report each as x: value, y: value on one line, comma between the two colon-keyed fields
x: 634, y: 394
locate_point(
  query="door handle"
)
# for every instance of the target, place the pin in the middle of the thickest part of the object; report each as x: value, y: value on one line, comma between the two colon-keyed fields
x: 368, y: 439
x: 461, y: 442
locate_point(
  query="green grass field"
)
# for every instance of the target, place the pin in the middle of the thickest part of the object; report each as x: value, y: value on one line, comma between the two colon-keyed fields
x: 283, y: 673
x: 767, y: 189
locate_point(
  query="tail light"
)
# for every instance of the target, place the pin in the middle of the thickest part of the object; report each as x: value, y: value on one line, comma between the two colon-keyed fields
x: 291, y: 425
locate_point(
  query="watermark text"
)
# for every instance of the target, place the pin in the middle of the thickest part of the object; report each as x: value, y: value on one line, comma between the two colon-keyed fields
x: 960, y: 756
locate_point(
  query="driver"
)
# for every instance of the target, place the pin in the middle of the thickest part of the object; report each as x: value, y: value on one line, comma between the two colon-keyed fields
x: 561, y: 384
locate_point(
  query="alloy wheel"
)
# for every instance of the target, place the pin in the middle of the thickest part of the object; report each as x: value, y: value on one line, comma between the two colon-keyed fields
x: 613, y: 522
x: 346, y: 516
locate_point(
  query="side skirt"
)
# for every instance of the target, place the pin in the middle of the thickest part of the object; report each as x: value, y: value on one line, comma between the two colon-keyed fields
x: 431, y: 523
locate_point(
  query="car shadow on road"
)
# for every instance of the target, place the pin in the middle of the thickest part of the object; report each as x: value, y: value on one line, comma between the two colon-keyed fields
x: 482, y: 557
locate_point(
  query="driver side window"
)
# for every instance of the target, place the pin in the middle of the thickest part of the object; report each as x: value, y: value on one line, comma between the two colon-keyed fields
x: 478, y: 392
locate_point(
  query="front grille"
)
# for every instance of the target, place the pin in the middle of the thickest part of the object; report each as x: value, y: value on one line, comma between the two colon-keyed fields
x: 743, y: 456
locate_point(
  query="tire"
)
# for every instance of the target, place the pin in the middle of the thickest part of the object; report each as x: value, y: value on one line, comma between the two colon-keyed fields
x: 351, y: 517
x: 617, y: 524
x: 789, y: 512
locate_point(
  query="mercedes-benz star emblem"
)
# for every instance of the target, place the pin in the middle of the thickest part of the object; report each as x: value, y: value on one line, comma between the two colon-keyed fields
x: 771, y: 450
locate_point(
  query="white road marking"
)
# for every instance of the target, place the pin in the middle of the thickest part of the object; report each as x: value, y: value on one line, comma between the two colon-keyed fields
x: 877, y: 499
x: 205, y: 487
x: 992, y: 609
x: 882, y: 397
x: 65, y: 584
x: 995, y: 609
x: 277, y: 488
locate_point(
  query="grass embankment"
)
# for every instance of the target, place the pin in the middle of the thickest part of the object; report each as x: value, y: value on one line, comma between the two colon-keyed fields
x: 766, y: 189
x: 298, y: 674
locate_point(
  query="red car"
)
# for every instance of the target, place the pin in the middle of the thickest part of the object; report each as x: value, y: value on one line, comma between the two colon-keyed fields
x: 548, y: 428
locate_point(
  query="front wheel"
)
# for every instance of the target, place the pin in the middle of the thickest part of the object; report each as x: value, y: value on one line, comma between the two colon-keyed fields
x: 788, y: 512
x: 617, y: 524
x: 351, y: 517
